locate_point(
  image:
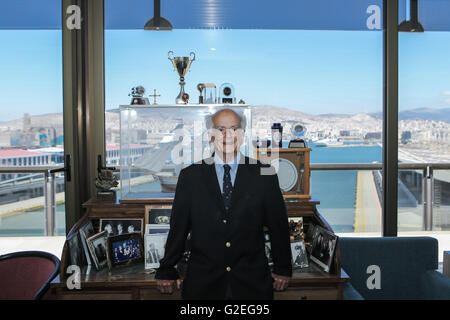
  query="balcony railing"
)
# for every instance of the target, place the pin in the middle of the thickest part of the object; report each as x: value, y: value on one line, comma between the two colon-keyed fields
x: 426, y: 168
x: 427, y: 180
x: 49, y: 173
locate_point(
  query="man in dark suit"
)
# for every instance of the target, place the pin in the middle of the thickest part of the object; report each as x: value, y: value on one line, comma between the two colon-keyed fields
x: 225, y: 201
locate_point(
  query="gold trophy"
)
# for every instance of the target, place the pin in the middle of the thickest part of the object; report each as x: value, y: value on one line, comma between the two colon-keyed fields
x: 181, y: 65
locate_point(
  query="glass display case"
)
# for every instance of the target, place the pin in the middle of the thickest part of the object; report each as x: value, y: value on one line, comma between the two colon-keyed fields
x: 157, y: 141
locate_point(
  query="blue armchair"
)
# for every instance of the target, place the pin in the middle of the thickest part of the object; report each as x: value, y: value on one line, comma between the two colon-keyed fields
x: 407, y: 268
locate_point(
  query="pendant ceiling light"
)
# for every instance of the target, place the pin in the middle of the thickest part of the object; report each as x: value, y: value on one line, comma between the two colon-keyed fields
x: 413, y: 24
x: 158, y: 23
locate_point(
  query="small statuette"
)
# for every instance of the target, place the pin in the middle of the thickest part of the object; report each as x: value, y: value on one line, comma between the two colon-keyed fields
x: 185, y: 98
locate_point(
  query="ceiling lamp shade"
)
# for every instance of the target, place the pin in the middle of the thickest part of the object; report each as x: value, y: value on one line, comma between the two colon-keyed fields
x: 158, y: 23
x: 412, y: 25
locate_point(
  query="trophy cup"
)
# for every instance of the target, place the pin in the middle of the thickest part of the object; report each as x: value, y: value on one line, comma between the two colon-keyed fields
x: 200, y: 88
x: 277, y: 135
x: 226, y: 94
x: 181, y: 65
x: 298, y: 130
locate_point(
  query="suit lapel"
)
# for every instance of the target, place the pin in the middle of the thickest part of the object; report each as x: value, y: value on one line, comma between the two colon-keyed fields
x: 212, y: 183
x: 240, y: 183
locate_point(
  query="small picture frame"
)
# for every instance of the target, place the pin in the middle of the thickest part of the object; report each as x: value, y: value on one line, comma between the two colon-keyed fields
x: 157, y: 215
x: 323, y: 247
x: 157, y: 228
x: 116, y: 227
x: 77, y: 256
x: 299, y: 255
x: 124, y: 249
x: 97, y: 248
x: 154, y: 249
x: 86, y: 231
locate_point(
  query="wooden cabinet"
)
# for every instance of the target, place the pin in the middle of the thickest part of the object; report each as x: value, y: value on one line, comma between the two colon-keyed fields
x: 134, y: 282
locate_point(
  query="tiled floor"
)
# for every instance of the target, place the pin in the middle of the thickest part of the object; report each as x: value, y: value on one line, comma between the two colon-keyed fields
x: 53, y: 245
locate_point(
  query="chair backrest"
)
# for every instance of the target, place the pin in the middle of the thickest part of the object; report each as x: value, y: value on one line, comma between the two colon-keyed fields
x: 402, y: 260
x: 27, y: 275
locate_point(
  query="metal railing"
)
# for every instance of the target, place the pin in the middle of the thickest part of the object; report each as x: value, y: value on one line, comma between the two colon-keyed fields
x: 49, y: 191
x: 427, y: 182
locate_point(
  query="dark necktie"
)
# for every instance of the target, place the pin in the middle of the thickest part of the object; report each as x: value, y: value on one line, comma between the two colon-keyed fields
x: 227, y: 186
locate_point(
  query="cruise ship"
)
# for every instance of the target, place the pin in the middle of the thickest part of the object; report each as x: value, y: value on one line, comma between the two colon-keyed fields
x: 329, y: 142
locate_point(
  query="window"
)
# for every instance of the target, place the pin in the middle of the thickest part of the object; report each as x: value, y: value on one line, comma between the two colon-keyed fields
x: 30, y: 108
x: 324, y: 73
x: 424, y: 130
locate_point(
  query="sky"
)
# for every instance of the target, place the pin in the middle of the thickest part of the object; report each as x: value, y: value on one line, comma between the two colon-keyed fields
x: 314, y: 72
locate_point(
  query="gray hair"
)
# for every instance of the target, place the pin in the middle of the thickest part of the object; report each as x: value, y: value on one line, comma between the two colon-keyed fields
x: 209, y: 118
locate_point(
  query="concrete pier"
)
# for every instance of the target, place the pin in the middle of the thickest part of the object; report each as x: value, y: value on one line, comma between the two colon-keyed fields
x: 367, y: 206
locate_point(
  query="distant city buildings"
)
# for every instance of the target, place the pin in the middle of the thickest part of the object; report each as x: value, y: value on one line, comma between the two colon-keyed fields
x: 37, y: 133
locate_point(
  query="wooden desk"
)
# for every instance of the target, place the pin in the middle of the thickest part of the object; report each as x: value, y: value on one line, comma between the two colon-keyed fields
x: 134, y: 282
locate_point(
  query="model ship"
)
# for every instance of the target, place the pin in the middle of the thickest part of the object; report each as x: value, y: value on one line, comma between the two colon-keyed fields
x: 158, y: 162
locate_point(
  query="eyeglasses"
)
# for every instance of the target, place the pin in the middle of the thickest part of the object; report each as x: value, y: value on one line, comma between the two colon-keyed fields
x: 233, y: 129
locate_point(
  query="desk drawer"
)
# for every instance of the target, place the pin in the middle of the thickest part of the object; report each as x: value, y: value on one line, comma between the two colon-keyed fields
x: 313, y: 293
x: 94, y: 295
x: 154, y: 294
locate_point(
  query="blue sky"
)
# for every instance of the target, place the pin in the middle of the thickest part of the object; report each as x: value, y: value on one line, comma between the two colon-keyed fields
x: 310, y: 71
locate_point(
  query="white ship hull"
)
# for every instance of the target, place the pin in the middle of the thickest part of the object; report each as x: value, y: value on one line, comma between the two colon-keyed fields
x: 328, y: 142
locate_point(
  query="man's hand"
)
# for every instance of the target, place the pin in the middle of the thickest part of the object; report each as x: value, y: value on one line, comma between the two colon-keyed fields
x: 167, y: 286
x: 280, y: 283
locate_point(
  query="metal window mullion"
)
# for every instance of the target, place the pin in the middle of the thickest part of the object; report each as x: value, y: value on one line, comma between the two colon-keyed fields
x: 390, y: 118
x: 428, y: 199
x: 83, y: 65
x: 50, y: 204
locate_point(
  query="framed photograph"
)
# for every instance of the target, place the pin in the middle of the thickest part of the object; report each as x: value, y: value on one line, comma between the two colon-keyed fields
x: 157, y: 215
x: 116, y: 227
x: 154, y: 249
x: 124, y: 249
x: 77, y: 256
x: 323, y: 246
x: 97, y: 249
x: 299, y: 256
x: 157, y: 228
x: 86, y: 231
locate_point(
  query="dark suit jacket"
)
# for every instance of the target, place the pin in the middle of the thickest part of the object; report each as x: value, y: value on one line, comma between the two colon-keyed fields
x: 198, y: 207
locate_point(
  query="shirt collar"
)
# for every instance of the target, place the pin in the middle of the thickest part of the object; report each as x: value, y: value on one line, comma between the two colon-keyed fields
x: 233, y: 164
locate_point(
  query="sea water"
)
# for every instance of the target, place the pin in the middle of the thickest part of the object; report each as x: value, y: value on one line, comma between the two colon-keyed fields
x: 336, y: 190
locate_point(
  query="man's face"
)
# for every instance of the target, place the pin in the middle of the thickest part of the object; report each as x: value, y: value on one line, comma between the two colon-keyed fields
x: 227, y: 133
